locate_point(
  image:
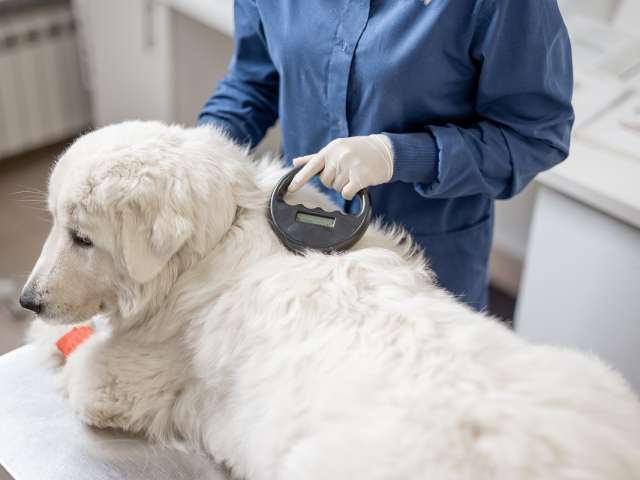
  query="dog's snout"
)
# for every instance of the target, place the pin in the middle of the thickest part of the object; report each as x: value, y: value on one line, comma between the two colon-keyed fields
x: 30, y: 301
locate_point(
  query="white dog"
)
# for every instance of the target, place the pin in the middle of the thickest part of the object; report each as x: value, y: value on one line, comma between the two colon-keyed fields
x: 350, y: 366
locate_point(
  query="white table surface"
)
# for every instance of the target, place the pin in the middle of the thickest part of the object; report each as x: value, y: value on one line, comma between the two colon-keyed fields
x: 41, y: 439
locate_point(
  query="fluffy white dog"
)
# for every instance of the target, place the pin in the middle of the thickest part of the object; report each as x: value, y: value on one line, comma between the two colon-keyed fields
x: 295, y: 367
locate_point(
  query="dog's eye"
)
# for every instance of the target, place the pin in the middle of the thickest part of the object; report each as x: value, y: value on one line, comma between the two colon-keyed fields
x: 80, y: 239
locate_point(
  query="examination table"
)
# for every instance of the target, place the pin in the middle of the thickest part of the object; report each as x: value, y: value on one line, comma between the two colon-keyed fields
x: 41, y: 439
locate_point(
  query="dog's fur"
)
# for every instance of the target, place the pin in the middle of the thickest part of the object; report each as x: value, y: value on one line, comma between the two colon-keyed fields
x: 296, y: 367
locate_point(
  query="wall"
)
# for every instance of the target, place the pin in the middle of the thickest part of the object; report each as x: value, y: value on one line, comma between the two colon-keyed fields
x: 201, y: 56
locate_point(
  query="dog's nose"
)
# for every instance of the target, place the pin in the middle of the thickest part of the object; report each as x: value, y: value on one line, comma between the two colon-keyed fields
x: 30, y: 302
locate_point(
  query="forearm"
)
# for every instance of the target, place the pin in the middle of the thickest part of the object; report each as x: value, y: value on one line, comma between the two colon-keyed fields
x: 522, y: 109
x: 244, y: 111
x: 245, y: 103
x: 486, y: 158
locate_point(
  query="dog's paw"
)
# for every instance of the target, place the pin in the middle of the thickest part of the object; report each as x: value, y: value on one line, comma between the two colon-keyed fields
x: 94, y: 393
x: 99, y: 415
x: 91, y: 400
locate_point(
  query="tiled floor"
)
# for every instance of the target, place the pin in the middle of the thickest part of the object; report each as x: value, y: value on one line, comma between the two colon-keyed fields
x: 24, y: 224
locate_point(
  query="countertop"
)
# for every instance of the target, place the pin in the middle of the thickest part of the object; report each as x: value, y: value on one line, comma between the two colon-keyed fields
x: 604, y: 180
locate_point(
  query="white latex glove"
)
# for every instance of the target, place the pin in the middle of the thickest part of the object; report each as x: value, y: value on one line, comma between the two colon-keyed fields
x: 348, y: 164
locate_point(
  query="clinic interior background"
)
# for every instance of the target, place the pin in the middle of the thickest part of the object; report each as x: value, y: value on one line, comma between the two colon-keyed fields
x: 566, y: 259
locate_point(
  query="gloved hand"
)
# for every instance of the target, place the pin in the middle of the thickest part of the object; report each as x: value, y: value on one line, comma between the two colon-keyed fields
x: 348, y: 164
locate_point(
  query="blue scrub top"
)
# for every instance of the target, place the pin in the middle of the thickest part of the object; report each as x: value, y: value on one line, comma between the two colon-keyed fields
x: 474, y: 94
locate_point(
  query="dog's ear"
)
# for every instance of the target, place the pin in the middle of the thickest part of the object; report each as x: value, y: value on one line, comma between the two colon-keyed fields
x: 150, y: 240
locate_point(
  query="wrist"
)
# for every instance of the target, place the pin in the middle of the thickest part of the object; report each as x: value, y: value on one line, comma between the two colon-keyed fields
x: 385, y: 148
x: 416, y: 157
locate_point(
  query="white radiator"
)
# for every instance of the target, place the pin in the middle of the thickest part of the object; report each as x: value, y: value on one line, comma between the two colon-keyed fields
x: 42, y: 96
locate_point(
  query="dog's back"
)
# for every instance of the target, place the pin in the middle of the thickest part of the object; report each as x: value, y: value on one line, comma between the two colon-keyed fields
x: 365, y: 369
x: 298, y: 367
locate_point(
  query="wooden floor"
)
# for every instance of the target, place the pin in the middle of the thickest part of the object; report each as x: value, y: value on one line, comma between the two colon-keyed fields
x: 4, y: 475
x: 502, y: 305
x: 24, y: 223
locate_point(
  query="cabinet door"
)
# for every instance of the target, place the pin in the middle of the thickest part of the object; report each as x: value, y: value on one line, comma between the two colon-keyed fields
x: 127, y: 45
x: 580, y: 285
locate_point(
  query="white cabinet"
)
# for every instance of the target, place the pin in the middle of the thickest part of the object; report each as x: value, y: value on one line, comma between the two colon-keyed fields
x: 128, y: 51
x: 581, y: 281
x: 157, y: 59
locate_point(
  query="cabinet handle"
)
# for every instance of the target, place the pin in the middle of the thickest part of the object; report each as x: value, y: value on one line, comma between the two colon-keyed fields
x: 148, y: 33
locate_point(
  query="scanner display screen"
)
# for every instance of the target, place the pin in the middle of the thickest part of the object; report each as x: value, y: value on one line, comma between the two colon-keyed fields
x: 328, y: 222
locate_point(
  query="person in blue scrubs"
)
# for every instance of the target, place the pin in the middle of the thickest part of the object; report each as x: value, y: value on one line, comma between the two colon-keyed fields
x: 472, y: 99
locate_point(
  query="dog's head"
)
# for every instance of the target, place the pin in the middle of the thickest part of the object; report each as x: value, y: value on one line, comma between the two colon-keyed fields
x: 126, y: 201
